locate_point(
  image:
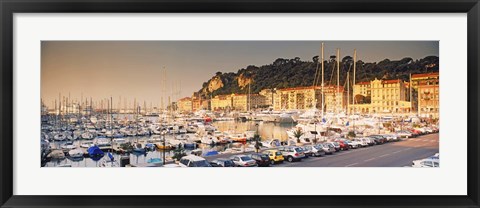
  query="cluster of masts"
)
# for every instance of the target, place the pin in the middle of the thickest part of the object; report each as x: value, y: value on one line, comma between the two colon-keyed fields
x: 337, y: 65
x: 86, y: 106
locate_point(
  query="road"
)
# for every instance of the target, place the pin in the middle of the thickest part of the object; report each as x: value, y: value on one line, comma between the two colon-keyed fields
x: 392, y: 154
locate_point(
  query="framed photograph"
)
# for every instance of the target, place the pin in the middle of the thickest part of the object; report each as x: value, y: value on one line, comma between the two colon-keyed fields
x: 247, y: 104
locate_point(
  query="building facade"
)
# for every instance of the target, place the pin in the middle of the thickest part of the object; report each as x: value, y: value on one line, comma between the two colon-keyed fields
x: 269, y: 95
x: 382, y: 96
x: 185, y: 104
x: 427, y: 90
x: 362, y: 88
x: 298, y: 98
x: 221, y: 102
x: 196, y: 103
x: 244, y: 102
x: 334, y: 99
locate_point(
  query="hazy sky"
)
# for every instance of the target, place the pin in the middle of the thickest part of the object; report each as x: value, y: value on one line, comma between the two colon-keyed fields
x: 132, y: 69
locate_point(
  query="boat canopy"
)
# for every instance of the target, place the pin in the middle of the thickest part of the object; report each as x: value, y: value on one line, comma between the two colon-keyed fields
x: 95, y: 151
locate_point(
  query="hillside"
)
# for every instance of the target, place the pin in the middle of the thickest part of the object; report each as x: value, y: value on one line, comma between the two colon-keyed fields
x: 283, y: 73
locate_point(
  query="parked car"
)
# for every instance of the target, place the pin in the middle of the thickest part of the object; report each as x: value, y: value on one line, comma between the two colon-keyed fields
x: 421, y: 130
x: 328, y: 148
x: 415, y: 132
x: 429, y: 130
x: 292, y: 153
x: 336, y: 146
x: 395, y: 137
x: 262, y: 159
x: 352, y: 144
x: 379, y: 139
x: 193, y: 161
x: 306, y: 151
x: 343, y: 145
x: 317, y: 150
x: 430, y: 162
x: 274, y: 155
x: 243, y: 161
x: 362, y: 141
x: 404, y: 134
x: 222, y: 162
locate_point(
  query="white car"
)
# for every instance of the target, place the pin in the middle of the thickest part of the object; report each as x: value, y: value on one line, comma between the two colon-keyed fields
x: 362, y: 141
x: 292, y: 153
x: 391, y: 137
x: 429, y: 130
x: 193, y: 161
x: 327, y: 148
x: 404, y: 134
x: 243, y: 161
x: 353, y: 144
x: 430, y: 162
x: 317, y: 150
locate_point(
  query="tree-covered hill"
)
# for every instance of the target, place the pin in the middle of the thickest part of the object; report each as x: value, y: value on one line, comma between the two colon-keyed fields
x: 283, y: 73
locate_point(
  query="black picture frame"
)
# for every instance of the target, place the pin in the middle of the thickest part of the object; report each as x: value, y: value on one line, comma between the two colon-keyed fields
x: 10, y: 7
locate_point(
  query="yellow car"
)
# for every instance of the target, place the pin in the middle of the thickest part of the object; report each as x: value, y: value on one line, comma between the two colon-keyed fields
x: 274, y: 155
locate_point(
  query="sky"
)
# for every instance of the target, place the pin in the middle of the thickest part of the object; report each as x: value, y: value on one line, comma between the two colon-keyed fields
x: 128, y: 70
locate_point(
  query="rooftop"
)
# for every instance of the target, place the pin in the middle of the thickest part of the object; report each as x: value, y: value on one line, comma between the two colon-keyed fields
x: 432, y: 74
x: 391, y: 81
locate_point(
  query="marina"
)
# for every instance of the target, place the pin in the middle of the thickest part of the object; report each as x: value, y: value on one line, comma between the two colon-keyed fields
x: 288, y: 110
x: 128, y: 140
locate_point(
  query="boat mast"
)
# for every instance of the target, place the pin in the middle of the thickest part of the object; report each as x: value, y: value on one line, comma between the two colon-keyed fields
x: 323, y: 79
x: 348, y: 89
x: 249, y: 101
x: 354, y: 72
x: 315, y: 80
x: 338, y: 78
x: 411, y: 87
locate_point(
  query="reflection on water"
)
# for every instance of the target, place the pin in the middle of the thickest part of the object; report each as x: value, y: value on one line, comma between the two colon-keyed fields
x: 266, y: 130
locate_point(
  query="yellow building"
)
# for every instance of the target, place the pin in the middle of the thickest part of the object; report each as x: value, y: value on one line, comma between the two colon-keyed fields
x: 185, y: 104
x: 298, y: 98
x: 221, y: 102
x: 428, y: 93
x: 387, y: 96
x: 334, y: 99
x: 196, y: 103
x: 243, y: 102
x: 381, y: 96
x: 269, y: 95
x: 362, y: 88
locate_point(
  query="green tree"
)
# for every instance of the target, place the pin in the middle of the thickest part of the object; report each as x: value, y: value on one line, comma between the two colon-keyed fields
x: 298, y: 133
x: 178, y: 153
